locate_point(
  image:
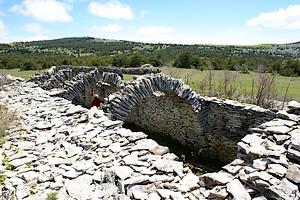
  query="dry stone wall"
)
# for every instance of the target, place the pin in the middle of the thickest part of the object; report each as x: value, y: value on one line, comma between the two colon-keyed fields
x: 165, y: 105
x: 58, y: 75
x: 78, y: 84
x: 176, y: 118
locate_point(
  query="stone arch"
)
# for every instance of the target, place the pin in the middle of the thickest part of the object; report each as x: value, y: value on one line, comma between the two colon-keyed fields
x: 213, y: 125
x: 163, y: 105
x: 81, y: 88
x: 123, y: 101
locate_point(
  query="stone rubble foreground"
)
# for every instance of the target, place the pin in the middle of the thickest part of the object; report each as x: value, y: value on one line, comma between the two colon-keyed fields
x: 82, y: 154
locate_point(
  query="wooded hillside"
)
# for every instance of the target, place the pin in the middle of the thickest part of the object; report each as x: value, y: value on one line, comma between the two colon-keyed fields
x: 275, y: 58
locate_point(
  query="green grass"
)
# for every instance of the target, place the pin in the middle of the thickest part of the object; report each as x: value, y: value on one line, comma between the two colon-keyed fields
x: 244, y: 81
x: 52, y: 196
x: 127, y: 77
x: 19, y: 73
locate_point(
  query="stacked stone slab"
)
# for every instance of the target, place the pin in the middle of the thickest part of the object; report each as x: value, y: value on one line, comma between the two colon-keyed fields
x: 81, y: 154
x: 57, y: 75
x: 78, y: 84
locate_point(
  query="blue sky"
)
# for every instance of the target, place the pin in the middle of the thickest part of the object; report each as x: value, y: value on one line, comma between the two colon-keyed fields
x: 237, y: 22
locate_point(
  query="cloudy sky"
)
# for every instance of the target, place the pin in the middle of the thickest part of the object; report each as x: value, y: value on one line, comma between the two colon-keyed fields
x: 238, y: 22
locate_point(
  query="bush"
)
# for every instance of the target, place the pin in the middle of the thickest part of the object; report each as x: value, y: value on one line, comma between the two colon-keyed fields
x: 7, y: 118
x: 4, y: 81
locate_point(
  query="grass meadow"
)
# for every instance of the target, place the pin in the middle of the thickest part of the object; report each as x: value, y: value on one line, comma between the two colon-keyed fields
x: 238, y: 86
x: 19, y: 73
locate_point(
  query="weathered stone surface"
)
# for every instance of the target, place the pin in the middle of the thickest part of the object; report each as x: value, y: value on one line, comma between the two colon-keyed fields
x: 23, y: 161
x: 293, y: 105
x: 277, y: 170
x: 212, y: 179
x: 260, y: 163
x: 168, y: 165
x: 137, y: 180
x: 218, y: 192
x: 139, y: 195
x: 278, y: 129
x: 159, y: 150
x: 284, y: 190
x: 189, y: 182
x: 293, y: 173
x: 237, y: 190
x: 123, y: 172
x: 295, y: 139
x: 43, y: 125
x: 79, y: 188
x: 154, y: 196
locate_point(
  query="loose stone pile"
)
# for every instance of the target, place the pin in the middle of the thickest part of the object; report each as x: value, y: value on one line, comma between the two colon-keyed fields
x: 82, y: 154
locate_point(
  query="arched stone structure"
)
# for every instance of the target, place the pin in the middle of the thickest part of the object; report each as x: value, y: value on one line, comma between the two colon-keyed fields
x: 165, y: 105
x: 80, y: 89
x: 267, y: 164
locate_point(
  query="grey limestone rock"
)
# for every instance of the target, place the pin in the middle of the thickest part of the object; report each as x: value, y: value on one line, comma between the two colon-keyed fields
x: 277, y: 170
x: 23, y: 161
x: 123, y: 172
x: 293, y: 173
x: 159, y: 150
x: 293, y: 105
x: 79, y: 188
x: 295, y: 139
x: 168, y: 165
x: 237, y: 190
x: 216, y: 178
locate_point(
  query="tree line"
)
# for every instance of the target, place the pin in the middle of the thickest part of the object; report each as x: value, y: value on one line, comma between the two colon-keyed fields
x: 37, y: 55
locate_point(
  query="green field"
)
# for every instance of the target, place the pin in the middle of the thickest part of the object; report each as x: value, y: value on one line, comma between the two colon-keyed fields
x: 18, y: 73
x: 243, y: 81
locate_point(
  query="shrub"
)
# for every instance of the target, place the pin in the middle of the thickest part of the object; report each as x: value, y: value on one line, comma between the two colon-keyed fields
x: 52, y: 196
x: 4, y: 81
x: 7, y: 118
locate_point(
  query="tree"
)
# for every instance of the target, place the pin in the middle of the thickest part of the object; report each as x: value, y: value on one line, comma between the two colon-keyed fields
x: 28, y: 65
x: 120, y: 60
x: 198, y: 62
x: 183, y: 60
x: 136, y: 60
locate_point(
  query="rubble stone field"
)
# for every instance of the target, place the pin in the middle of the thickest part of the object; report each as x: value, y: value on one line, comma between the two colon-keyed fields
x: 80, y: 153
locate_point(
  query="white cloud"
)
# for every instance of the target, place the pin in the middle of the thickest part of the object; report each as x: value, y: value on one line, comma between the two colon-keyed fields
x: 112, y: 10
x: 288, y: 18
x: 44, y: 10
x: 74, y: 1
x: 34, y: 28
x: 143, y: 13
x: 1, y: 13
x: 38, y: 37
x: 3, y: 29
x: 155, y: 30
x: 109, y: 28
